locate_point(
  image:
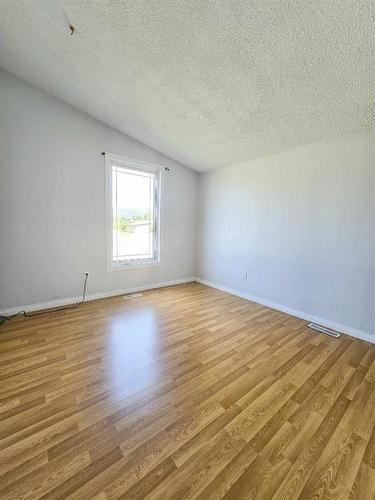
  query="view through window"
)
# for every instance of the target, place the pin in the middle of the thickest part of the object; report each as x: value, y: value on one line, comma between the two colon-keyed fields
x: 135, y: 194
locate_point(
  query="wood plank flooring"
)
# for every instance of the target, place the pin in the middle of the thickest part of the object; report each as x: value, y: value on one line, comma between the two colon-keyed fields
x: 186, y: 392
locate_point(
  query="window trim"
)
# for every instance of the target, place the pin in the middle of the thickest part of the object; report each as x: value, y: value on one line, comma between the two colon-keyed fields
x: 146, y: 167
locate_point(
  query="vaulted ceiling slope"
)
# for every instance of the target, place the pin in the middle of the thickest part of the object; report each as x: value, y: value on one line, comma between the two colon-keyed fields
x: 207, y: 82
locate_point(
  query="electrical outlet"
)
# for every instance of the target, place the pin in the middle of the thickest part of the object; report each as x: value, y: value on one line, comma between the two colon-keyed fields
x: 244, y: 275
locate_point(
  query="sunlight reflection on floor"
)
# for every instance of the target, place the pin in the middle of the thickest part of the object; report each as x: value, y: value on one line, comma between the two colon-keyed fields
x: 133, y: 346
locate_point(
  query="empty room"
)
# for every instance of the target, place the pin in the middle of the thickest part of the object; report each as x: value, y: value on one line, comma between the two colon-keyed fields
x: 187, y: 249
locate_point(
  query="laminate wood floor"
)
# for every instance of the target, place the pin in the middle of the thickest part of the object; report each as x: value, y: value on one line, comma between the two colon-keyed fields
x: 186, y: 392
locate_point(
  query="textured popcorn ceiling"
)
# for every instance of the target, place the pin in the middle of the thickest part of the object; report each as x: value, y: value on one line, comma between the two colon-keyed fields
x: 208, y: 83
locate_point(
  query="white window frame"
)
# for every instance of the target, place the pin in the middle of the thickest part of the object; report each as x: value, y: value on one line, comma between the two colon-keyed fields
x: 130, y: 163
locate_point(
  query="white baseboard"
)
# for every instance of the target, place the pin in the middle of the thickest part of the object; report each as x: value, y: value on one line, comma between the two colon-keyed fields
x: 353, y: 332
x: 49, y: 304
x: 348, y: 330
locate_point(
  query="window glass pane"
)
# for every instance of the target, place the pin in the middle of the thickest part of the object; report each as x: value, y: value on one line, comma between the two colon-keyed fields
x: 133, y: 202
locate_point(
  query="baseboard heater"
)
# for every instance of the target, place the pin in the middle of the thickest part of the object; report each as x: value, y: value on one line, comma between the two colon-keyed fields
x: 323, y: 329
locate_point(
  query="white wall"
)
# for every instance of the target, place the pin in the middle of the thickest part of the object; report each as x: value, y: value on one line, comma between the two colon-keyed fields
x: 301, y: 223
x: 52, y: 201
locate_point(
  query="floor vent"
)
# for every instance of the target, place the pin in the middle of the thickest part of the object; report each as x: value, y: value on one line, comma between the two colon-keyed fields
x: 133, y: 296
x: 323, y: 329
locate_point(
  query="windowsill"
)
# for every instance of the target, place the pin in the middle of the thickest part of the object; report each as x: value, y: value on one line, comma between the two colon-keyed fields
x: 132, y: 265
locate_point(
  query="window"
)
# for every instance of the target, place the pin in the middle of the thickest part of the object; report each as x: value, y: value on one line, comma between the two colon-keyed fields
x: 133, y: 212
